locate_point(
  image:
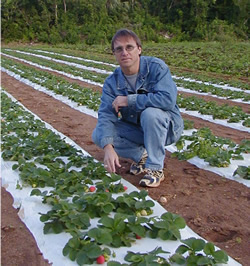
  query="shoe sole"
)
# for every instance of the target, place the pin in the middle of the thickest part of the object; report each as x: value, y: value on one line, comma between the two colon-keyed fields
x: 136, y: 173
x: 154, y: 184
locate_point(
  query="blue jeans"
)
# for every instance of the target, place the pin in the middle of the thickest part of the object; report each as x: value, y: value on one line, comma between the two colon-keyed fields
x: 131, y: 140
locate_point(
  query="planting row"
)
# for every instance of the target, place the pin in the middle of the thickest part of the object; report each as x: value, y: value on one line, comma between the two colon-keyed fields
x: 208, y: 58
x: 231, y: 114
x: 89, y: 204
x: 221, y: 151
x: 107, y: 68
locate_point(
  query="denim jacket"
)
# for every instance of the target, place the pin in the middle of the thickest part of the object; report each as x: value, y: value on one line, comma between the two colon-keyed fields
x: 154, y: 88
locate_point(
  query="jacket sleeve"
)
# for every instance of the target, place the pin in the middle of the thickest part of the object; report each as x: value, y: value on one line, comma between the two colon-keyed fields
x: 161, y: 90
x: 107, y: 117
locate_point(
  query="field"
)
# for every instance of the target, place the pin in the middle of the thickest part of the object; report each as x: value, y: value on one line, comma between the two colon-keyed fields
x: 207, y: 171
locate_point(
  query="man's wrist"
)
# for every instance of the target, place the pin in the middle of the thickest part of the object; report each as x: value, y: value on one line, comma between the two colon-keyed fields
x: 108, y: 147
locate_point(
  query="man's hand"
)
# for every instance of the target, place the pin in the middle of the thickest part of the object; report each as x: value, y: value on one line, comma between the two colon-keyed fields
x: 120, y: 101
x: 111, y: 159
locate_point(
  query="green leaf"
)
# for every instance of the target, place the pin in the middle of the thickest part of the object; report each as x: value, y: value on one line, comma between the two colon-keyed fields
x: 117, y: 241
x: 15, y: 166
x: 165, y: 235
x: 115, y: 263
x: 47, y: 228
x: 180, y: 222
x: 44, y: 217
x: 57, y: 227
x: 108, y: 207
x: 72, y: 254
x: 102, y: 236
x: 204, y: 261
x: 66, y: 250
x: 182, y: 249
x: 198, y: 244
x: 209, y: 248
x: 176, y: 233
x: 107, y: 221
x: 138, y: 229
x: 36, y: 192
x: 82, y: 258
x: 220, y: 256
x: 132, y: 257
x: 94, y: 251
x: 178, y: 258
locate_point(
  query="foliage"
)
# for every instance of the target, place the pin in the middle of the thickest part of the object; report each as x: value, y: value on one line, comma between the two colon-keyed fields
x: 73, y: 215
x: 243, y: 172
x: 94, y: 22
x: 216, y: 151
x: 194, y: 247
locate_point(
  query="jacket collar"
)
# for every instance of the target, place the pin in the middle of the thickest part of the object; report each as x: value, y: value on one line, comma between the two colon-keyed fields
x: 143, y: 72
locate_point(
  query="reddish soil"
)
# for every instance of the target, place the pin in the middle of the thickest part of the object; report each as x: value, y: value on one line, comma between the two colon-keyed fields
x: 214, y: 207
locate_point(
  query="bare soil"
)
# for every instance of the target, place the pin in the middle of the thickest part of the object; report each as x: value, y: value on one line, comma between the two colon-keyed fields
x: 214, y: 207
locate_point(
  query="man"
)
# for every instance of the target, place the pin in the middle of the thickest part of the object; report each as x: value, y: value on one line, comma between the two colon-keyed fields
x: 138, y: 115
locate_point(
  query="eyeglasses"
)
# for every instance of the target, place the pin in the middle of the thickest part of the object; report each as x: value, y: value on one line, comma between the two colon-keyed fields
x: 128, y: 48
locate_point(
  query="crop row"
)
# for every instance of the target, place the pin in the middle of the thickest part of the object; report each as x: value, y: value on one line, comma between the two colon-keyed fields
x: 212, y: 90
x: 98, y: 66
x: 176, y: 65
x: 222, y: 151
x: 44, y: 160
x: 231, y: 114
x: 50, y: 65
x: 211, y: 57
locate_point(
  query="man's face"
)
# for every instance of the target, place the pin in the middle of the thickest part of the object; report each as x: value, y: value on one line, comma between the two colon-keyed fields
x: 127, y: 54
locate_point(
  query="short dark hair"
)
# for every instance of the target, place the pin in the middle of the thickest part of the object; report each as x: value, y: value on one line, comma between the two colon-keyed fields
x: 127, y: 33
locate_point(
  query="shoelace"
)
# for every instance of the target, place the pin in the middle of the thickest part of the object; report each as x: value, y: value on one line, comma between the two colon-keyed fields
x: 156, y: 173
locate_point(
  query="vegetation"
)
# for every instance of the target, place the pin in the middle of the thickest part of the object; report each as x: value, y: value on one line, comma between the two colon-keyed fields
x: 74, y: 204
x: 216, y: 151
x: 94, y: 22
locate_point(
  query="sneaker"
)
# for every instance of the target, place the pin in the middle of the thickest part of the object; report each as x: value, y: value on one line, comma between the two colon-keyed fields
x: 138, y: 168
x: 152, y: 178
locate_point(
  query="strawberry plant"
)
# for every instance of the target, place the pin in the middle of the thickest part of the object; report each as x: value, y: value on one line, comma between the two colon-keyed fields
x: 230, y: 113
x: 114, y: 232
x: 199, y: 253
x: 64, y: 217
x: 134, y: 203
x: 83, y: 74
x: 203, y: 88
x: 243, y: 171
x: 84, y: 251
x: 96, y: 205
x: 167, y: 227
x: 147, y: 258
x: 216, y: 151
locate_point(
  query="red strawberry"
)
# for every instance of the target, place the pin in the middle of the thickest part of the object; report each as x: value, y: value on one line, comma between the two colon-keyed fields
x: 100, y: 260
x: 137, y: 237
x: 92, y: 189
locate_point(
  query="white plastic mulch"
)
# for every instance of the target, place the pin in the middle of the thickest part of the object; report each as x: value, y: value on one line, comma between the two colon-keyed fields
x: 51, y: 245
x: 226, y: 172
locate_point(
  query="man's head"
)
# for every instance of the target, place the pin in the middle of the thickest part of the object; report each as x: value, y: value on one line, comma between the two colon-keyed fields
x: 125, y: 33
x: 126, y: 47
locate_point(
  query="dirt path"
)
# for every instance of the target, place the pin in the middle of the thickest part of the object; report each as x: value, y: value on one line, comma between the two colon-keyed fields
x: 214, y: 207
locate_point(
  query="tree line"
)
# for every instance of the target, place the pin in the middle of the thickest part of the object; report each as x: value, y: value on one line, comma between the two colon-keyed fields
x: 95, y: 22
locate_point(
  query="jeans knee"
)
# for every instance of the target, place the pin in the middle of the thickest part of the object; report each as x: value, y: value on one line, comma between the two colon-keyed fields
x: 153, y: 116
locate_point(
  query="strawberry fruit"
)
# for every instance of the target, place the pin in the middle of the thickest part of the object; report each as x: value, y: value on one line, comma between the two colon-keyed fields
x: 100, y: 260
x: 137, y: 237
x: 92, y: 189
